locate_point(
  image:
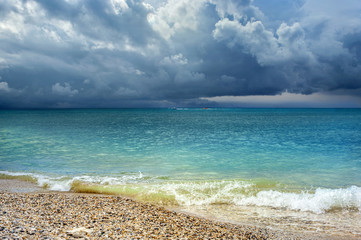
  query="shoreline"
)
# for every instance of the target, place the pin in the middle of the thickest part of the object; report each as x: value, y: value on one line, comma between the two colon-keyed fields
x: 19, y: 186
x: 31, y: 211
x: 62, y: 215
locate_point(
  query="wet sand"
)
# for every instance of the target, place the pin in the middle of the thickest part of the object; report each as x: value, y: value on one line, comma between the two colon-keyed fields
x: 14, y: 185
x: 27, y: 211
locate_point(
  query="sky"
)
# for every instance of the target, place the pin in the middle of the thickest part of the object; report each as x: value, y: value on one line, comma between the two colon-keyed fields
x: 180, y: 53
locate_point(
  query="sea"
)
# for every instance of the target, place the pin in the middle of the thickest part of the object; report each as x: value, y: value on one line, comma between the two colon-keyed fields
x: 276, y: 168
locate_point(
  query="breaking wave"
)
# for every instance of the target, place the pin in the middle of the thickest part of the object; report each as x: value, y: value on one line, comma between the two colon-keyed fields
x: 186, y: 193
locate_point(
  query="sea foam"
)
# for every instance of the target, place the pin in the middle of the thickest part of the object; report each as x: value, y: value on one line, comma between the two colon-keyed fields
x: 245, y: 193
x: 64, y: 183
x: 320, y: 201
x: 188, y: 193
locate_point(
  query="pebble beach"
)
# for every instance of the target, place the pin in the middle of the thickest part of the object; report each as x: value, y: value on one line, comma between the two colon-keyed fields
x: 52, y: 215
x: 57, y: 215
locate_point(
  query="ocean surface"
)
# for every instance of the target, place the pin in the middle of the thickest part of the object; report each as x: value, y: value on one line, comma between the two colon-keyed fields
x: 294, y: 160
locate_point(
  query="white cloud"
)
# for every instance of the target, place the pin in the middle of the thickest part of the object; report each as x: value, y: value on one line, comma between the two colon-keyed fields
x: 4, y: 86
x: 268, y: 48
x: 330, y: 21
x: 138, y: 72
x: 252, y: 37
x: 177, y: 59
x: 237, y: 8
x: 119, y: 6
x: 12, y: 26
x: 180, y: 15
x: 64, y: 90
x: 3, y: 64
x: 176, y: 16
x: 102, y: 45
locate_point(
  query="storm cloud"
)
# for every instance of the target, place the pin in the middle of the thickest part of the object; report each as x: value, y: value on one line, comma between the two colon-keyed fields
x: 128, y: 53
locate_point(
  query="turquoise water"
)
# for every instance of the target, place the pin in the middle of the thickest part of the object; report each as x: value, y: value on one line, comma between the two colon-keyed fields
x: 198, y: 156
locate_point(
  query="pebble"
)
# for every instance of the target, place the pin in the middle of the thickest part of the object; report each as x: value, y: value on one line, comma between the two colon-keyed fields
x: 86, y: 216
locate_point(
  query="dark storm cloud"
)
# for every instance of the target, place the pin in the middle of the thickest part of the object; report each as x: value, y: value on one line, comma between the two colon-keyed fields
x: 122, y: 53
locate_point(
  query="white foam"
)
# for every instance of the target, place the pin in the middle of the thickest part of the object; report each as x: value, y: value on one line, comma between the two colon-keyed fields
x: 63, y: 183
x: 204, y: 193
x: 245, y: 193
x: 53, y: 183
x: 105, y: 180
x: 16, y: 173
x: 318, y: 202
x: 237, y: 192
x: 60, y: 186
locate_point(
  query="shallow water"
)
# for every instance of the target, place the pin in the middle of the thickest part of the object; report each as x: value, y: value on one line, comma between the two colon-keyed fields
x: 306, y: 225
x: 297, y: 160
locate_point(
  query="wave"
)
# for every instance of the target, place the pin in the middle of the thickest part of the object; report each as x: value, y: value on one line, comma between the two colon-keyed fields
x: 64, y: 183
x: 161, y: 190
x: 322, y: 200
x: 247, y: 193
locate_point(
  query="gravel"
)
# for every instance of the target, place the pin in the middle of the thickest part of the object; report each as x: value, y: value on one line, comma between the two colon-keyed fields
x: 89, y: 216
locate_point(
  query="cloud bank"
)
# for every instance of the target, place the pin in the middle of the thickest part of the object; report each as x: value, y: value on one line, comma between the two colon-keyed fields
x: 129, y: 53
